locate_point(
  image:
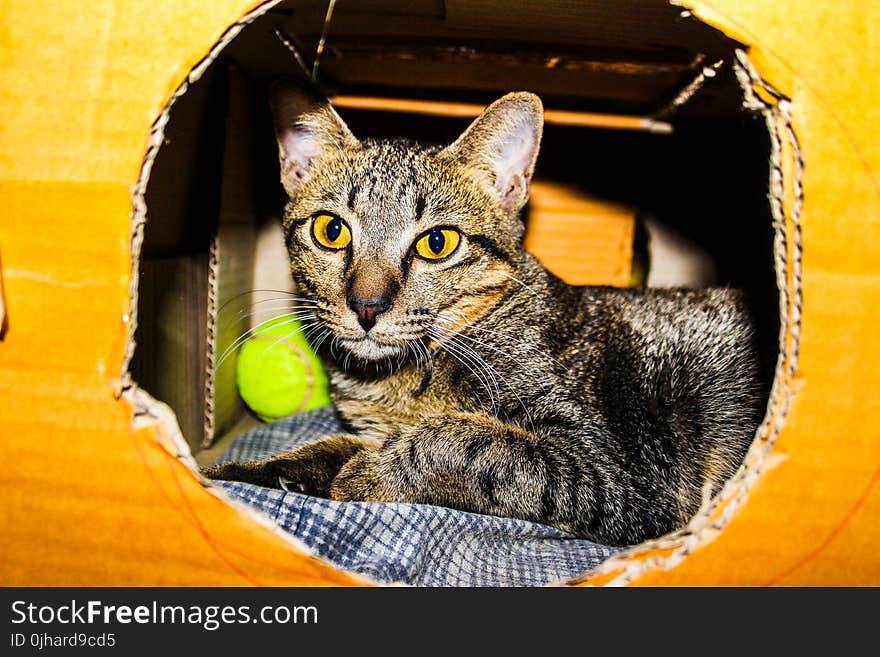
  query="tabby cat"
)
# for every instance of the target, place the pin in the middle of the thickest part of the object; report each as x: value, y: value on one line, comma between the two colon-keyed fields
x: 470, y: 376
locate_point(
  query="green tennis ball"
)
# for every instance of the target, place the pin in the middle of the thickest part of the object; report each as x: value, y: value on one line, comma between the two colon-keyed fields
x: 278, y: 373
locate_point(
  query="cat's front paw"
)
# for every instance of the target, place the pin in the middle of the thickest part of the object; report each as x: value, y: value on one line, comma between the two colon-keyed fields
x: 358, y: 481
x: 308, y: 469
x: 249, y: 472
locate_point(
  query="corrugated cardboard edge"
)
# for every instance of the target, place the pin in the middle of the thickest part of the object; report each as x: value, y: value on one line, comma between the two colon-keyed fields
x: 211, y: 342
x: 669, y: 551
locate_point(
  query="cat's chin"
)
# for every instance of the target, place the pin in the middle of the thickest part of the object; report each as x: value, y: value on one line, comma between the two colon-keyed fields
x: 369, y: 349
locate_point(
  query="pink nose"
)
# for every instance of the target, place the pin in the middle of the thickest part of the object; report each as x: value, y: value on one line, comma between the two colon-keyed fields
x: 368, y: 309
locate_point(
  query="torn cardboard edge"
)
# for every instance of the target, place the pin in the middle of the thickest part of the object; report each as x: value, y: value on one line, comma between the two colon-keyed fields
x: 629, y: 565
x: 668, y: 551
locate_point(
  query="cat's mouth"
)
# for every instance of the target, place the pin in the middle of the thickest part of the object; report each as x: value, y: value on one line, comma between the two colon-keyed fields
x: 377, y: 343
x: 367, y: 347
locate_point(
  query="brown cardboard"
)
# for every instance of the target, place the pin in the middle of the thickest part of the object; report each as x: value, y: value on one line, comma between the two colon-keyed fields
x: 584, y: 241
x: 804, y: 510
x: 629, y: 52
x: 813, y: 519
x: 170, y: 357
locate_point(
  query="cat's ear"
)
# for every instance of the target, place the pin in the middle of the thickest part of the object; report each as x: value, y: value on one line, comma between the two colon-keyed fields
x: 502, y: 144
x: 307, y: 128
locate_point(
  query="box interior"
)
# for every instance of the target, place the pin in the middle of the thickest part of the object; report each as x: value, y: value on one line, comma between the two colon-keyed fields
x: 697, y: 196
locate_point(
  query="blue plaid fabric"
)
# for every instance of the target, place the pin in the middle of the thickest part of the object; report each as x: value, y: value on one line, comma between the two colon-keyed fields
x: 415, y: 544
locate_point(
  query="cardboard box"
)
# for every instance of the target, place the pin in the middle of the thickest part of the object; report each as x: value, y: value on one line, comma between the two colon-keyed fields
x: 98, y: 484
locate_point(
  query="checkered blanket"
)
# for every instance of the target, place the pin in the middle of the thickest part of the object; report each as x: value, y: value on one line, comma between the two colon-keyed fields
x: 416, y: 544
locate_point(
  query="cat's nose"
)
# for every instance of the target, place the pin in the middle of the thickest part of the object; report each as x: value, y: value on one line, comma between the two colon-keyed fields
x: 367, y: 309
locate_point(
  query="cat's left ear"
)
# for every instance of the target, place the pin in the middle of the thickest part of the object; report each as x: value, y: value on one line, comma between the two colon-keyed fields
x: 502, y: 144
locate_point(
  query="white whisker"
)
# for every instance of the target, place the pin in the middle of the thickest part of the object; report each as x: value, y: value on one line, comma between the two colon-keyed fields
x: 243, y: 338
x: 322, y: 337
x: 486, y: 364
x: 288, y: 295
x: 304, y: 312
x: 507, y: 336
x: 515, y: 279
x: 444, y: 343
x: 310, y: 327
x: 515, y: 394
x: 478, y: 361
x: 501, y: 352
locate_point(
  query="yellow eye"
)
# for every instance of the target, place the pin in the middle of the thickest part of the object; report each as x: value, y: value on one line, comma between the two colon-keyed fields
x: 331, y: 232
x: 438, y: 243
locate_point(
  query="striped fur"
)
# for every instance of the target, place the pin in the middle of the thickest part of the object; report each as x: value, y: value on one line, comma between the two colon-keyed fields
x: 490, y: 385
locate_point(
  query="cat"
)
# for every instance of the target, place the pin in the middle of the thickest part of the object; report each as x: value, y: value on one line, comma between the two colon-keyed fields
x: 470, y: 376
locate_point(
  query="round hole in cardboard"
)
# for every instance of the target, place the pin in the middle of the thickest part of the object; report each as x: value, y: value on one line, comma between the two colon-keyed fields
x: 213, y: 203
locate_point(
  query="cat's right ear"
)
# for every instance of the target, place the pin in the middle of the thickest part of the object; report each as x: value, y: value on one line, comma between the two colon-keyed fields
x: 307, y: 128
x: 502, y: 146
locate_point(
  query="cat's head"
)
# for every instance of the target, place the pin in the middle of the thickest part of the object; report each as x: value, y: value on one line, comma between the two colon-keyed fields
x: 393, y: 239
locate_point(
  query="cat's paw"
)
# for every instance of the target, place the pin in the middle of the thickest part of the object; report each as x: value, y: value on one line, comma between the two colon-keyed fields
x: 308, y: 469
x: 357, y: 481
x: 249, y: 472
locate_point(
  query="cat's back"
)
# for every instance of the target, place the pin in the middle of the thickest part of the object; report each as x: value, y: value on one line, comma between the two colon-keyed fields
x: 649, y: 328
x: 625, y: 345
x: 676, y: 365
x: 655, y: 321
